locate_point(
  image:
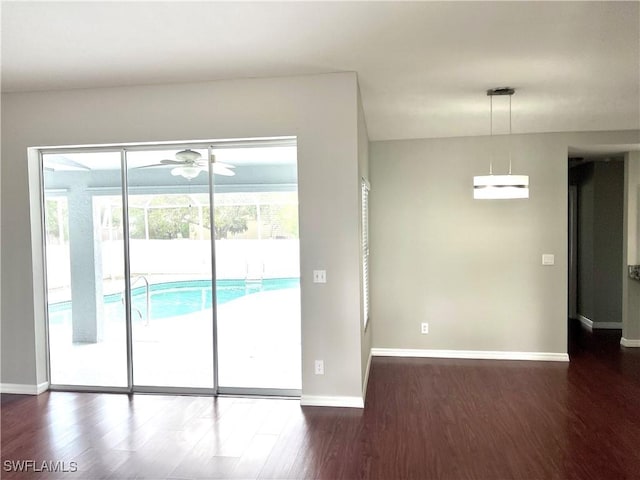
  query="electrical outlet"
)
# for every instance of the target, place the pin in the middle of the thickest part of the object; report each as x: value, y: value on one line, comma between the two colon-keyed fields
x: 424, y: 328
x: 319, y: 276
x: 319, y: 367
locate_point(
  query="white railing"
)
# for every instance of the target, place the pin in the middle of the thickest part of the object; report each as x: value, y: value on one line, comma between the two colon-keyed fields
x: 148, y: 297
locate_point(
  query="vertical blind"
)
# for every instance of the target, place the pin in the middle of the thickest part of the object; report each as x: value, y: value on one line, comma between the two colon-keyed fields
x: 364, y: 186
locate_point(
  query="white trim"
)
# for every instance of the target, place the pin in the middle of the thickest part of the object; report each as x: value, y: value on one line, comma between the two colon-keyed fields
x: 591, y: 325
x: 626, y: 342
x: 325, y: 401
x: 470, y: 354
x: 366, y: 378
x: 586, y: 323
x: 170, y: 145
x: 24, y: 389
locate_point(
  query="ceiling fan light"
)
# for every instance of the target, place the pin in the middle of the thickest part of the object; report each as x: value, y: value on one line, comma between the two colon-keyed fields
x: 187, y: 172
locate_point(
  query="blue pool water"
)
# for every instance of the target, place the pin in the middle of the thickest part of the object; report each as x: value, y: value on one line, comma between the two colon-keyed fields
x: 170, y: 299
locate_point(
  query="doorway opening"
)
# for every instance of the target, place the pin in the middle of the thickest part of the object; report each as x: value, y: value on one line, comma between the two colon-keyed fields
x: 595, y: 217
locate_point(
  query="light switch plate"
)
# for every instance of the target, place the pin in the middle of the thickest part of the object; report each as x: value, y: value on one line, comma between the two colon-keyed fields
x: 319, y: 276
x: 548, y: 259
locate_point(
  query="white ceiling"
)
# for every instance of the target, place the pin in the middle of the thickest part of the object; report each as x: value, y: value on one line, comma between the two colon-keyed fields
x: 423, y: 67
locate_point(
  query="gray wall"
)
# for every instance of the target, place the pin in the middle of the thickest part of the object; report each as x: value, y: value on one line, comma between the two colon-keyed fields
x: 320, y: 110
x: 609, y: 199
x: 586, y: 213
x: 471, y: 268
x: 600, y: 215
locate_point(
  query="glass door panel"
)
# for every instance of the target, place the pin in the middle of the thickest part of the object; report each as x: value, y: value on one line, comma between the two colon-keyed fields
x: 257, y: 269
x: 171, y: 272
x: 85, y: 268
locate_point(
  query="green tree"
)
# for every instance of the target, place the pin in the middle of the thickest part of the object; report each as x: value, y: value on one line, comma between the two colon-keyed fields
x: 168, y: 216
x: 53, y: 224
x: 171, y: 216
x: 136, y: 222
x: 169, y: 223
x: 280, y: 220
x: 232, y: 219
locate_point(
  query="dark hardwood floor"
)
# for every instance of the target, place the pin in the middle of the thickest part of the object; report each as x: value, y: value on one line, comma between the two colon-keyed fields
x: 424, y: 419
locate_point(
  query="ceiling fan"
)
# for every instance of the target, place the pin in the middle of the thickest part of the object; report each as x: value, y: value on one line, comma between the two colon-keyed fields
x: 58, y: 162
x: 189, y: 164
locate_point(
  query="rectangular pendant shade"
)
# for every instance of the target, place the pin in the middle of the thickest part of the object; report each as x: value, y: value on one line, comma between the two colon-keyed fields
x: 500, y: 187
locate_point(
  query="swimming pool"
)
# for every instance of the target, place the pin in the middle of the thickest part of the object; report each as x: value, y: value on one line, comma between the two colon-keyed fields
x: 171, y: 299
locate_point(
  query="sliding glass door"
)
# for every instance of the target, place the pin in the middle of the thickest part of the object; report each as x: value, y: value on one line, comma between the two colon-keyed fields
x: 85, y: 268
x: 170, y: 267
x: 258, y: 269
x: 137, y: 238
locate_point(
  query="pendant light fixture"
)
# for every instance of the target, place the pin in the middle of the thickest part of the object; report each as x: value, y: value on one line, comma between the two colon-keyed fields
x: 500, y: 187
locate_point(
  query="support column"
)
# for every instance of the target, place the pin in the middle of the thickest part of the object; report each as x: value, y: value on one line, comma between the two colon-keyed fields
x: 86, y: 269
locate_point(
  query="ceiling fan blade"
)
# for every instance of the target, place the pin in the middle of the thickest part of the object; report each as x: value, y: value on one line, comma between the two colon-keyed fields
x: 67, y: 162
x: 218, y: 169
x: 225, y: 165
x: 172, y: 162
x: 147, y: 166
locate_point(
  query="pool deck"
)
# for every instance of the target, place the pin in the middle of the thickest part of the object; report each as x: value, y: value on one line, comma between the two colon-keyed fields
x: 258, y: 347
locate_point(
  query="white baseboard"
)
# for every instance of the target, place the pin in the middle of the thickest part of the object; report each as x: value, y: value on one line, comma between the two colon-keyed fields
x: 366, y: 378
x: 586, y: 323
x: 24, y: 389
x: 591, y: 325
x: 470, y: 354
x: 326, y: 401
x: 626, y: 342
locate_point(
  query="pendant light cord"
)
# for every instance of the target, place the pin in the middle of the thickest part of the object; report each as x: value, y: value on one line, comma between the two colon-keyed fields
x: 510, y: 135
x: 491, y: 93
x: 491, y: 133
